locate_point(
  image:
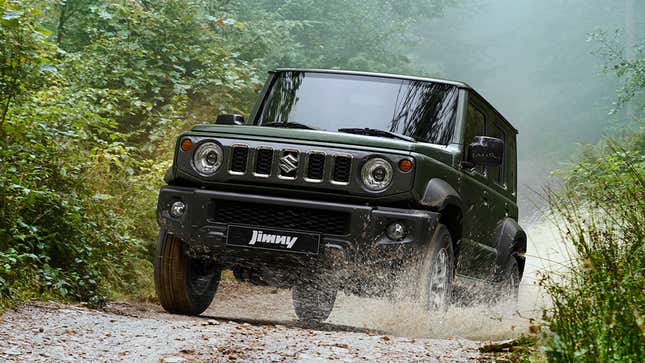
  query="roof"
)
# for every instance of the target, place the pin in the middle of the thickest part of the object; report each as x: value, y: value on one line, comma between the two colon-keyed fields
x: 374, y: 74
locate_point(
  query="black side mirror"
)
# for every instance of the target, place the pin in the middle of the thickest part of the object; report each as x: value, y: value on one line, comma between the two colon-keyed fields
x: 485, y: 150
x: 229, y: 119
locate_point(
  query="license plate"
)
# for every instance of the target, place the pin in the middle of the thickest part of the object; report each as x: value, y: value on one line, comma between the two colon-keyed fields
x: 273, y: 239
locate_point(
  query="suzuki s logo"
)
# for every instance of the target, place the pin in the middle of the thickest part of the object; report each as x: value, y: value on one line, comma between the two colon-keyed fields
x: 289, y: 163
x: 259, y: 236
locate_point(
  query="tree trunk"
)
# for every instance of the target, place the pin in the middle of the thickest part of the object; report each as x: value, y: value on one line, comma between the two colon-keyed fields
x: 61, y: 23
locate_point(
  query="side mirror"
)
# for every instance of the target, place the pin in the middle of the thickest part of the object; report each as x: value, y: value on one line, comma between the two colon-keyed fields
x: 229, y: 119
x: 485, y: 150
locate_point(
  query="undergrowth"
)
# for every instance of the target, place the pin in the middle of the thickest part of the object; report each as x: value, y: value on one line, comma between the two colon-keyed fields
x: 598, y: 304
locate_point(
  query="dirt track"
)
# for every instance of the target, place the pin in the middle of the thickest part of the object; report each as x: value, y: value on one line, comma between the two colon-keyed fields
x: 268, y: 332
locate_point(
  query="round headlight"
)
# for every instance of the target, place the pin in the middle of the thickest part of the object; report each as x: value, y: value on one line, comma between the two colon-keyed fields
x: 208, y: 158
x: 377, y: 174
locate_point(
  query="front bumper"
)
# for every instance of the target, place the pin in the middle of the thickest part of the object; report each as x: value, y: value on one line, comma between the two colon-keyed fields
x: 363, y: 243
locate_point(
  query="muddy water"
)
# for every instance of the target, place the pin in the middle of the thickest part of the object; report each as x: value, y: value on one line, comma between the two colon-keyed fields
x: 476, y: 322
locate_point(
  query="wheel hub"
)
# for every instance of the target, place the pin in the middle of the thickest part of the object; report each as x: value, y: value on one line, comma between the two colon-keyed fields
x: 438, y: 287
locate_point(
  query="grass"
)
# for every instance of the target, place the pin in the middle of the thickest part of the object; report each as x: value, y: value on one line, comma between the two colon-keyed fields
x: 598, y: 304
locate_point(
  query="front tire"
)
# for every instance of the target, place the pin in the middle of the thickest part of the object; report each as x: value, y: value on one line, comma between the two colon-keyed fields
x: 437, y: 271
x: 313, y: 300
x: 184, y: 285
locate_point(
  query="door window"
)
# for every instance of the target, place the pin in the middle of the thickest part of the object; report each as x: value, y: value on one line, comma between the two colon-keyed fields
x: 475, y: 126
x: 497, y: 173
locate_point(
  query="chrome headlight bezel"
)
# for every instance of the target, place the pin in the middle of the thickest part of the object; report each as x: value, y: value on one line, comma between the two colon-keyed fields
x: 203, y: 158
x: 369, y: 177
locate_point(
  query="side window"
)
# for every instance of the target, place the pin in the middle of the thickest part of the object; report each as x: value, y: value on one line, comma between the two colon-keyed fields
x: 475, y: 126
x: 497, y: 173
x: 511, y: 163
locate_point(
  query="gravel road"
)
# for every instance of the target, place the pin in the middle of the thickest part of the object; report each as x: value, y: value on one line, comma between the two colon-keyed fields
x: 248, y: 323
x: 40, y: 331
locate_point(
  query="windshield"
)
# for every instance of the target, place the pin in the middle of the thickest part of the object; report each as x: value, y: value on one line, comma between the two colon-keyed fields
x: 423, y: 110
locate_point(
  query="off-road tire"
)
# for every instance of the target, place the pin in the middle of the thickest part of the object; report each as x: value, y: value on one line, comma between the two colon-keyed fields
x: 506, y: 286
x: 436, y: 271
x: 313, y: 300
x: 184, y: 285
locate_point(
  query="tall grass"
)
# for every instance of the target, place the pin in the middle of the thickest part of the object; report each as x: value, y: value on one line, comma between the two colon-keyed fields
x: 598, y: 305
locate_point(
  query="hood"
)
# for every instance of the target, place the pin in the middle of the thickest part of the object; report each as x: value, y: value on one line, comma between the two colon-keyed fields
x: 309, y: 137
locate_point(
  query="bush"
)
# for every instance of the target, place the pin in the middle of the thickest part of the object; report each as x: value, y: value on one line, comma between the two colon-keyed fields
x: 598, y: 311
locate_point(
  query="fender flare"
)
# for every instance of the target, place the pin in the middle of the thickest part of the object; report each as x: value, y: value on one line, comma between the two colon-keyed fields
x: 439, y: 194
x: 511, y: 239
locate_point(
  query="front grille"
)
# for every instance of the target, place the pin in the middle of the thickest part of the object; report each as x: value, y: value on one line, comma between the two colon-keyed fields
x: 289, y: 164
x: 264, y: 161
x: 277, y: 216
x: 239, y: 159
x: 342, y: 169
x: 316, y: 166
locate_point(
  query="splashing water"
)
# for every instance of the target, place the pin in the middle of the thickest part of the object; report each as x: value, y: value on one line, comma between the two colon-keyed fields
x: 477, y: 321
x: 406, y: 318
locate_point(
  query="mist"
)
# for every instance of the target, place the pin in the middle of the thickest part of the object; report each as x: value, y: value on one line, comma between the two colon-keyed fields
x: 534, y: 61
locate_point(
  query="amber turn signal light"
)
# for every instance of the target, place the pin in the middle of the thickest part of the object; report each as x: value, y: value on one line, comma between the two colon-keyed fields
x: 186, y: 144
x: 405, y: 165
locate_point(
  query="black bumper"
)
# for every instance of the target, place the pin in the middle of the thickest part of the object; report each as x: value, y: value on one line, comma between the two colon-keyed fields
x: 361, y: 242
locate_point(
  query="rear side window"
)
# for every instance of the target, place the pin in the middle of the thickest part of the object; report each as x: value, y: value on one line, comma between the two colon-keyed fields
x: 511, y: 163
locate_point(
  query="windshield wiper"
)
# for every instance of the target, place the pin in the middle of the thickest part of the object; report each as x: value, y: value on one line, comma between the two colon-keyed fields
x: 377, y: 132
x: 288, y: 125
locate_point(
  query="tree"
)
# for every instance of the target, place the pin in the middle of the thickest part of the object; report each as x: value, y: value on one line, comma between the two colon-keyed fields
x: 368, y: 35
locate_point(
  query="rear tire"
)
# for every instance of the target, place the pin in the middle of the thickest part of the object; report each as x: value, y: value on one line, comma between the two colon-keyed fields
x: 507, y: 285
x: 436, y: 271
x: 313, y: 300
x: 184, y: 285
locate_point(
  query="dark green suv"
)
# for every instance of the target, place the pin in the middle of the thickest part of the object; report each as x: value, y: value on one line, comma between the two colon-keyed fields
x: 346, y: 181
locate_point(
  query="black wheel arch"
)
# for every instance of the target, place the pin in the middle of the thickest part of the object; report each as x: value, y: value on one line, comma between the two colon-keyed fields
x: 440, y: 196
x: 511, y: 243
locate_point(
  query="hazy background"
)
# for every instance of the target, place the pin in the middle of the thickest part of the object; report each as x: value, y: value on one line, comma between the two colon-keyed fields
x: 533, y: 61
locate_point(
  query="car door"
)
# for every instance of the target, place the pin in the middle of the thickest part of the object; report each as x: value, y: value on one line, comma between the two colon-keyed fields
x: 476, y: 254
x: 497, y: 181
x: 502, y: 179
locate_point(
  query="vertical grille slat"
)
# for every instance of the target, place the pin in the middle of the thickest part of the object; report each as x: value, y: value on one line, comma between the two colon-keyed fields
x: 342, y: 169
x: 264, y: 161
x: 316, y: 166
x: 239, y: 159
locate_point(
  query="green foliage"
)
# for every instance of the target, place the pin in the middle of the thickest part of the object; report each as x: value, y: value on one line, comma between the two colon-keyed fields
x: 630, y: 70
x: 152, y: 55
x: 598, y: 312
x: 25, y: 54
x: 81, y: 130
